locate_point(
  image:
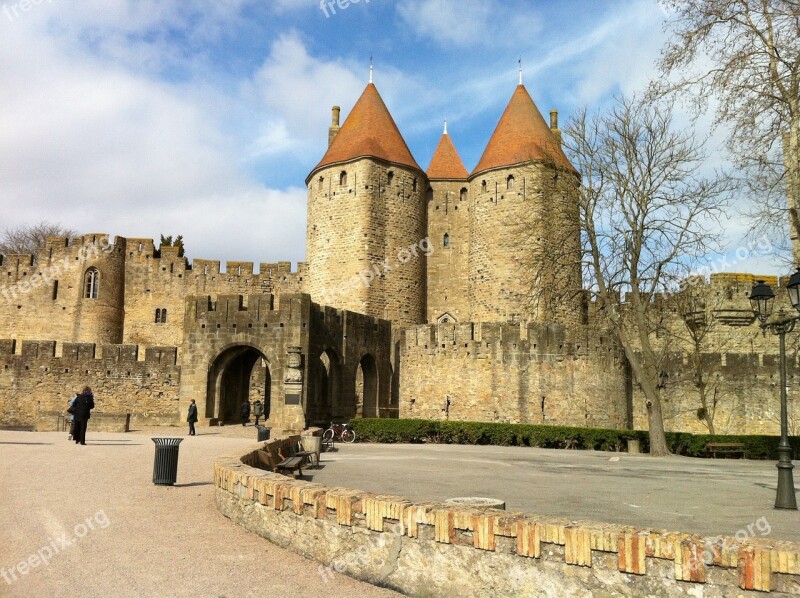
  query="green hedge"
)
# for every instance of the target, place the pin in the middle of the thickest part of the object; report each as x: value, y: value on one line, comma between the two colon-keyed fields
x: 563, y: 437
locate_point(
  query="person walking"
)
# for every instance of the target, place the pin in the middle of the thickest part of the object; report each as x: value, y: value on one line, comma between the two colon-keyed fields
x: 258, y: 410
x: 192, y: 417
x: 84, y: 404
x: 245, y: 412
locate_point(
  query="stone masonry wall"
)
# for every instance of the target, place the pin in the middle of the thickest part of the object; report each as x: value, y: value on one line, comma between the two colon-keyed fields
x: 436, y: 549
x: 357, y: 229
x: 162, y: 281
x: 37, y: 382
x: 512, y: 373
x: 44, y: 296
x: 745, y: 386
x: 524, y: 244
x: 448, y: 214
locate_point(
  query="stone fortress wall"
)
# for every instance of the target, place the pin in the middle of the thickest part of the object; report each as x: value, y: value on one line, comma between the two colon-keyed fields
x: 446, y: 260
x: 44, y: 296
x: 507, y: 372
x: 37, y: 378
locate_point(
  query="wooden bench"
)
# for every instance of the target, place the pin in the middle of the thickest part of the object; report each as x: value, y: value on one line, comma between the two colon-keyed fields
x: 726, y: 448
x: 274, y: 460
x: 290, y: 464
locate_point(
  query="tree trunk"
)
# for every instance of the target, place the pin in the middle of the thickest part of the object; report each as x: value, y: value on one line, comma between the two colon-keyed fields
x: 791, y: 154
x: 655, y: 421
x: 655, y: 418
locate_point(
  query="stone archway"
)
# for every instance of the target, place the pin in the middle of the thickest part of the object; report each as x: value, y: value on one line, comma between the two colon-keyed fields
x: 239, y: 373
x: 327, y: 393
x: 366, y: 387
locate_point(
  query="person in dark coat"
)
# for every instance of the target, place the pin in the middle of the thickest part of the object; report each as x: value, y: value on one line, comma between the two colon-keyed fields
x: 245, y: 412
x: 191, y: 417
x: 83, y: 407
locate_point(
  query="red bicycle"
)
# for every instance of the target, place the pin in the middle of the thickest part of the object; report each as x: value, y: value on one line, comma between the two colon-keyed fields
x: 341, y: 432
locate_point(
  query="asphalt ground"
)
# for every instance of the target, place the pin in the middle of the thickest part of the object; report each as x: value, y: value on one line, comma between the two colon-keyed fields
x: 105, y: 530
x: 709, y: 497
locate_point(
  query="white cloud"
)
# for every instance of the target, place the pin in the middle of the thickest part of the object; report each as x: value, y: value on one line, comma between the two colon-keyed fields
x: 90, y: 140
x: 470, y: 22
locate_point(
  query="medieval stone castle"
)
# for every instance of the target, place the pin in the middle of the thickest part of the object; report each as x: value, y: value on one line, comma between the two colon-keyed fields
x: 413, y: 302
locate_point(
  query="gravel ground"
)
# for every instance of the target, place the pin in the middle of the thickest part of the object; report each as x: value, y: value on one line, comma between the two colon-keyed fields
x: 131, y: 538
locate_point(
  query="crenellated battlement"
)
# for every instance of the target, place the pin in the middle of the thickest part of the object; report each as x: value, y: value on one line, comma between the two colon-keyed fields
x: 36, y: 350
x: 484, y: 339
x: 244, y: 311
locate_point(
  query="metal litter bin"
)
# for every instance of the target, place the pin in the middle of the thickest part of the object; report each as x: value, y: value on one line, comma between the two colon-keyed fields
x: 263, y: 433
x: 165, y: 466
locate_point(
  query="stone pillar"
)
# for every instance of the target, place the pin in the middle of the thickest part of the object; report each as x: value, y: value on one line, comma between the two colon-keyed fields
x: 294, y: 416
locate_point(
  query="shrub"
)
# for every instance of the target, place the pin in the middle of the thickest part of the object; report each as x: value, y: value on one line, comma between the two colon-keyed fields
x: 416, y: 431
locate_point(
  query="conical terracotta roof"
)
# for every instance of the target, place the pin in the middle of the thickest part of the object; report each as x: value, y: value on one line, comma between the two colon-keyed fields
x: 446, y: 163
x: 521, y: 135
x: 369, y: 130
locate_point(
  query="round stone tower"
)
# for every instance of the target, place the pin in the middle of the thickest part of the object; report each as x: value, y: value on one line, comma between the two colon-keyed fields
x: 365, y: 241
x: 524, y: 252
x: 89, y: 297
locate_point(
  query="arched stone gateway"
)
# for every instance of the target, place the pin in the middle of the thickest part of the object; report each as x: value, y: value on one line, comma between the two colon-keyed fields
x: 366, y: 396
x: 300, y: 359
x: 327, y: 395
x: 239, y: 373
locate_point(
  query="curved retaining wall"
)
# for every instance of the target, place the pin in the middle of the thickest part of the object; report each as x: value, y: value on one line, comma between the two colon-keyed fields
x: 435, y: 549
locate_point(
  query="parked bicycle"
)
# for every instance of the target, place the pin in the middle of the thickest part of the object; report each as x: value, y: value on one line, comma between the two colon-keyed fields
x: 341, y: 432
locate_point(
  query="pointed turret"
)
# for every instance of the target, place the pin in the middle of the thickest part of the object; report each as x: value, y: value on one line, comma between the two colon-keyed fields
x: 522, y: 135
x: 368, y: 131
x: 446, y: 163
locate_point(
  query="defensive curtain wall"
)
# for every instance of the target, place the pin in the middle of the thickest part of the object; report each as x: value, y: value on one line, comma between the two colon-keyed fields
x: 432, y: 548
x: 315, y: 364
x: 508, y: 372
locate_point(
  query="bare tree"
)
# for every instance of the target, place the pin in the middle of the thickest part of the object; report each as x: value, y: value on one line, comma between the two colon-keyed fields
x: 745, y: 55
x: 647, y: 216
x: 30, y: 238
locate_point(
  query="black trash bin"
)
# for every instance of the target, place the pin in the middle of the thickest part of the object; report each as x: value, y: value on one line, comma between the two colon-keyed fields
x: 263, y: 433
x: 165, y: 466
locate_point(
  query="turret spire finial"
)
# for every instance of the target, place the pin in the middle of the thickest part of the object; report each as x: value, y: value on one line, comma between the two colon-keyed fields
x: 520, y: 70
x: 445, y: 126
x: 370, y: 68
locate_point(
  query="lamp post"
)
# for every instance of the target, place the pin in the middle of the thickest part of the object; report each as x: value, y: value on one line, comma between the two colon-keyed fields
x: 761, y: 297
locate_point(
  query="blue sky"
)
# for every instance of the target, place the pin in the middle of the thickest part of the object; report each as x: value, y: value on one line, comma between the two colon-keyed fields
x: 203, y: 118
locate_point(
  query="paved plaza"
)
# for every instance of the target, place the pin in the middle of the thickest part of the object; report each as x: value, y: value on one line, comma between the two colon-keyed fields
x: 147, y: 540
x: 130, y: 538
x: 704, y: 496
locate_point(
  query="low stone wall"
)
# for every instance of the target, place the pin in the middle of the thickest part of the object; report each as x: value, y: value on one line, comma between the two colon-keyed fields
x: 436, y: 549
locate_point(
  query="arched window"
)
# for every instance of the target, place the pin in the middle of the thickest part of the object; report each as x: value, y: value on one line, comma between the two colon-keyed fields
x: 483, y: 186
x: 161, y: 316
x: 343, y: 178
x: 321, y: 180
x: 389, y: 177
x: 158, y: 316
x: 463, y: 195
x: 91, y: 287
x: 510, y: 182
x: 446, y: 241
x: 429, y: 194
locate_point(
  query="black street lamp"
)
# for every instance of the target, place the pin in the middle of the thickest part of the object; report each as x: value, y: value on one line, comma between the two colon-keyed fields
x: 761, y: 298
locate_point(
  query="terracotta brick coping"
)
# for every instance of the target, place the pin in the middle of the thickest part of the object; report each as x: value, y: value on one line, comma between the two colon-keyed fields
x: 757, y: 560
